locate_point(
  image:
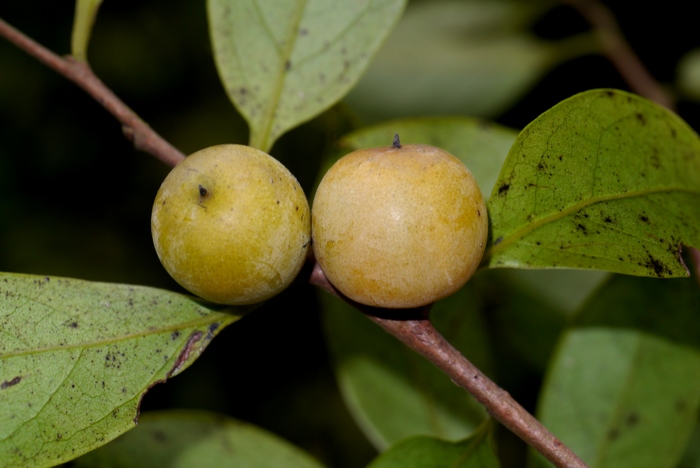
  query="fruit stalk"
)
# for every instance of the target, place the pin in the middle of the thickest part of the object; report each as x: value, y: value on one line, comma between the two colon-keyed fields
x: 419, y: 334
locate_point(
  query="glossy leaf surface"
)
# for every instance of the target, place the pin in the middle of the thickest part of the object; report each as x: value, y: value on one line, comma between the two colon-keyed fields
x: 604, y: 180
x: 187, y: 438
x: 624, y: 387
x: 477, y: 451
x: 282, y: 63
x: 76, y: 357
x: 392, y: 391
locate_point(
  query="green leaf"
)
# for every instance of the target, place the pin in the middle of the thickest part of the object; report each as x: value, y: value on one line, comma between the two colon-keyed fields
x: 603, y: 180
x: 623, y: 389
x: 188, y: 438
x: 477, y: 451
x: 282, y: 63
x: 76, y: 358
x: 459, y: 57
x: 393, y: 392
x: 85, y: 14
x: 482, y: 146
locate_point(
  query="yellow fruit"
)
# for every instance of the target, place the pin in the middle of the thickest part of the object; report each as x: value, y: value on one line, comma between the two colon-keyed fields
x: 231, y: 224
x: 400, y: 226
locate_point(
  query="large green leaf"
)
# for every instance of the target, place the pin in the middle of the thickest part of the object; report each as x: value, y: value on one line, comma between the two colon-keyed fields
x: 624, y: 387
x: 481, y: 145
x: 604, y: 180
x: 187, y: 438
x: 284, y: 62
x: 393, y: 392
x: 76, y: 358
x: 477, y: 451
x: 459, y: 57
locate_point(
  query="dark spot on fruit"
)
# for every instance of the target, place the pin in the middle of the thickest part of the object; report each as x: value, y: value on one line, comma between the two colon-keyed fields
x: 503, y: 189
x: 609, y: 93
x: 478, y: 212
x: 203, y: 193
x: 278, y: 202
x: 287, y: 65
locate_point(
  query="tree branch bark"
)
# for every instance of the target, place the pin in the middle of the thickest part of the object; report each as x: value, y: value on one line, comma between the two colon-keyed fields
x: 417, y: 332
x: 136, y: 130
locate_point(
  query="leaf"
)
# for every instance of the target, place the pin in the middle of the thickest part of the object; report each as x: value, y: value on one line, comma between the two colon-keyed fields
x: 85, y: 14
x: 393, y: 392
x: 623, y: 389
x: 603, y: 180
x: 76, y: 358
x: 482, y: 146
x: 459, y: 57
x: 187, y: 438
x: 477, y: 451
x: 282, y: 63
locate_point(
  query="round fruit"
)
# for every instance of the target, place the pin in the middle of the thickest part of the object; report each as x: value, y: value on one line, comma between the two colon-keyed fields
x: 399, y: 226
x: 231, y: 224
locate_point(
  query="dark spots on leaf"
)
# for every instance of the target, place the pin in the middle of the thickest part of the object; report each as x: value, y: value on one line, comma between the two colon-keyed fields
x: 658, y: 267
x: 538, y: 243
x: 503, y: 189
x: 613, y: 434
x: 673, y: 133
x: 541, y: 167
x: 609, y: 94
x: 498, y: 241
x: 287, y: 65
x: 560, y: 157
x: 10, y: 383
x: 644, y: 219
x: 175, y: 335
x: 641, y: 118
x: 303, y: 32
x: 582, y: 228
x: 73, y: 324
x: 632, y: 418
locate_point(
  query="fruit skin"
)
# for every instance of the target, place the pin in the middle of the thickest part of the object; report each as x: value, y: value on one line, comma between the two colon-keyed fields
x: 231, y: 224
x: 399, y: 227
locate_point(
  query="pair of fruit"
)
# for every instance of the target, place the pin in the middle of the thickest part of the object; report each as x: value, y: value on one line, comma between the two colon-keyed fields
x: 395, y: 227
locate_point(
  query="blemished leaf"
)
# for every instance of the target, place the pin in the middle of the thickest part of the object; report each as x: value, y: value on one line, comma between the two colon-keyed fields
x: 481, y: 145
x: 623, y: 389
x: 85, y: 14
x: 189, y: 438
x: 282, y: 63
x: 76, y: 357
x: 393, y: 392
x: 603, y: 180
x: 477, y: 451
x: 459, y: 57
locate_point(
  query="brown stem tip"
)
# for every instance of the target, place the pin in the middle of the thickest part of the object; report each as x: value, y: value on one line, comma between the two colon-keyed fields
x: 397, y: 142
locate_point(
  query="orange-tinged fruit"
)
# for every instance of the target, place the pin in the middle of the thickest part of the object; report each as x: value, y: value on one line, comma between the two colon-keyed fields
x: 231, y: 224
x: 399, y: 226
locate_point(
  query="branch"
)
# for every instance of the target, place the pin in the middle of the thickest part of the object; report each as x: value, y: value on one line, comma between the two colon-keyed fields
x: 417, y: 332
x: 619, y: 52
x: 136, y: 130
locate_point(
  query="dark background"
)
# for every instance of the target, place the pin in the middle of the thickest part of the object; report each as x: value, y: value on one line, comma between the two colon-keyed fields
x: 75, y: 197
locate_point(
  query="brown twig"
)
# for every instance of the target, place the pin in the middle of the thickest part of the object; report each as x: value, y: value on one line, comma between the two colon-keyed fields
x: 136, y: 130
x: 418, y: 333
x: 619, y: 52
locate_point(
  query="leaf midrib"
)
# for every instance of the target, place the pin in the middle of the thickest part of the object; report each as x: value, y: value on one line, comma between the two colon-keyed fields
x: 222, y: 318
x: 528, y: 228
